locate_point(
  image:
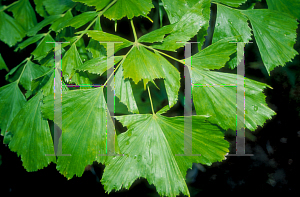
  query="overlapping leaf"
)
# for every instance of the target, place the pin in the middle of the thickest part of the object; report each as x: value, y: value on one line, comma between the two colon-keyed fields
x: 140, y: 63
x: 171, y: 80
x: 45, y: 83
x: 95, y: 47
x: 123, y: 90
x: 24, y: 14
x: 33, y: 31
x: 2, y: 64
x: 275, y: 34
x: 31, y: 136
x: 190, y: 23
x: 40, y: 8
x: 81, y: 19
x: 29, y: 72
x: 55, y: 7
x: 291, y: 7
x: 98, y: 4
x: 231, y: 22
x: 11, y: 32
x: 11, y: 101
x: 216, y: 55
x: 232, y: 3
x: 177, y: 8
x: 149, y: 147
x: 101, y: 36
x: 97, y: 65
x: 43, y: 47
x: 83, y: 126
x: 129, y: 9
x: 70, y: 62
x: 220, y: 102
x: 62, y: 22
x: 29, y: 41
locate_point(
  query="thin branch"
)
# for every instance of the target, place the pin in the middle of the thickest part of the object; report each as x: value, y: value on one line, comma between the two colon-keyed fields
x: 134, y: 32
x: 149, y: 47
x: 150, y: 99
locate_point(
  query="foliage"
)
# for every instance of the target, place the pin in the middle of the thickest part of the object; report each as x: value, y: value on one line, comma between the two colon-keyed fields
x: 152, y: 140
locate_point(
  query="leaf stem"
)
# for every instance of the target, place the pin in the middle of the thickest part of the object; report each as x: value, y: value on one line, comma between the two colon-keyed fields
x: 100, y: 14
x: 23, y: 68
x: 134, y: 32
x: 149, y: 47
x: 150, y: 99
x: 121, y: 62
x: 6, y: 7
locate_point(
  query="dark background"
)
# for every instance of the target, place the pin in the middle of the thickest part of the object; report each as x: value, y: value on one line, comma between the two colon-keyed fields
x: 273, y: 168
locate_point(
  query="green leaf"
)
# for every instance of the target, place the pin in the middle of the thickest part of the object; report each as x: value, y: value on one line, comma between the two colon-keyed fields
x: 42, y: 24
x: 70, y: 62
x: 81, y: 19
x: 61, y: 22
x: 220, y: 102
x: 30, y: 72
x: 172, y: 80
x: 124, y: 91
x: 232, y: 3
x: 84, y: 115
x: 43, y: 48
x: 129, y: 8
x: 70, y: 41
x: 214, y: 56
x: 24, y: 14
x: 98, y: 4
x: 45, y: 83
x: 149, y: 147
x: 106, y: 37
x: 54, y: 7
x: 81, y: 78
x: 157, y: 35
x: 11, y: 101
x: 81, y: 7
x: 275, y: 34
x: 7, y: 137
x: 231, y: 22
x: 163, y: 110
x: 140, y: 63
x: 14, y: 73
x: 291, y: 7
x: 40, y: 8
x: 97, y: 49
x: 191, y: 22
x: 10, y: 31
x: 2, y: 64
x: 97, y: 65
x: 31, y: 136
x: 97, y: 25
x: 29, y: 41
x: 175, y: 9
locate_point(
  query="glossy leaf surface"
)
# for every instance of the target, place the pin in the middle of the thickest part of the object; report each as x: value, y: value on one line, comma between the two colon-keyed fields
x: 149, y: 147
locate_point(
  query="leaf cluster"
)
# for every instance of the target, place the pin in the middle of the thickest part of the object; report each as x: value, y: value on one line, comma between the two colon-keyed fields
x: 151, y: 142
